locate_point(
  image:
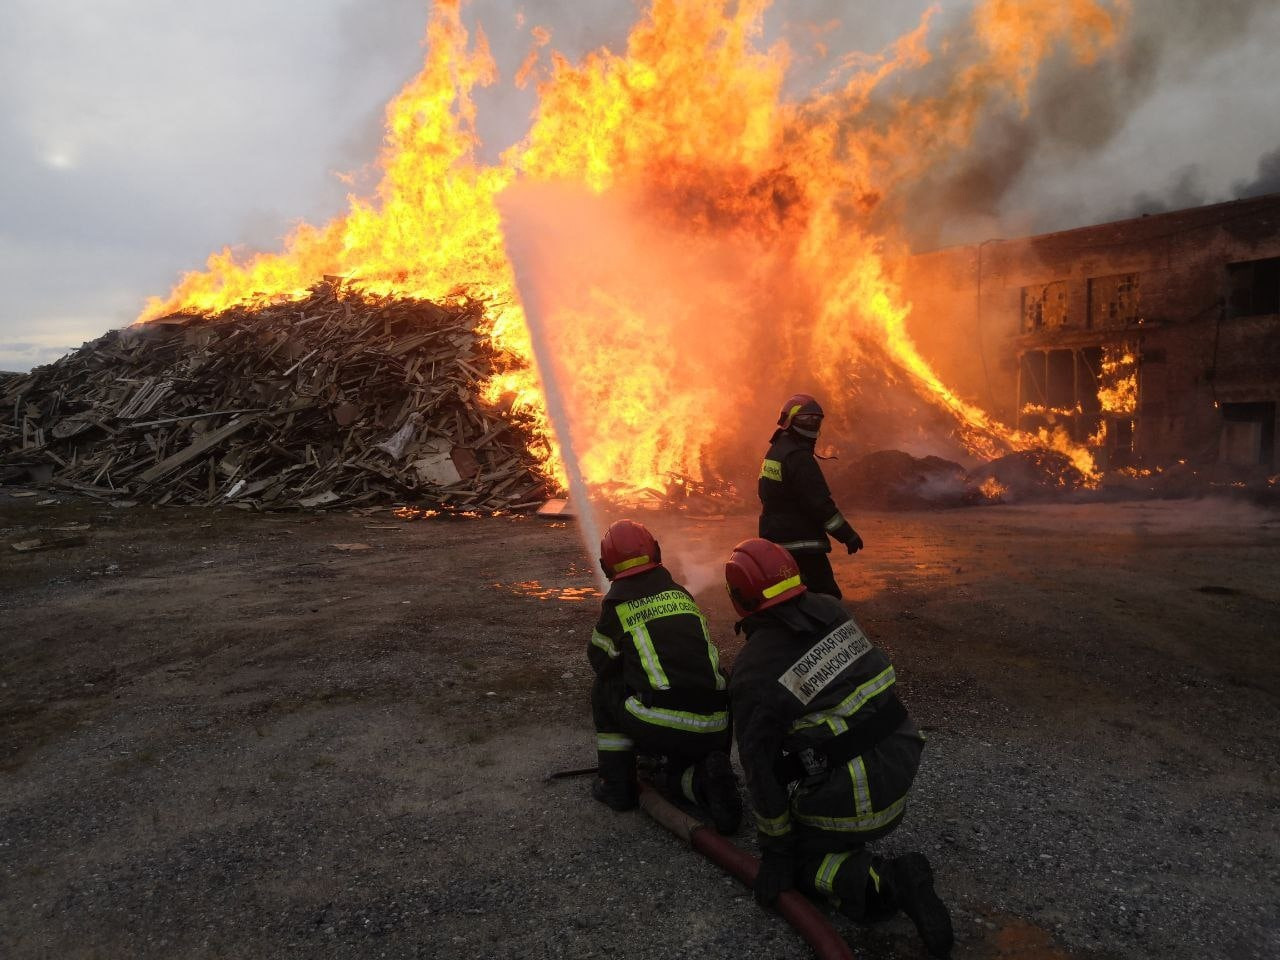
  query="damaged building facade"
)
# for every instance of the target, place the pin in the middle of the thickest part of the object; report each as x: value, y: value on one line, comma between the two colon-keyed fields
x: 1153, y: 340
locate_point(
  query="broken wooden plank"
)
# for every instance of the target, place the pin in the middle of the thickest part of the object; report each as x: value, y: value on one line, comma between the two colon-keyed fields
x: 206, y: 442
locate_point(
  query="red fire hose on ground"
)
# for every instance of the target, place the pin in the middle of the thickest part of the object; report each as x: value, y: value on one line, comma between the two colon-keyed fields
x: 807, y: 920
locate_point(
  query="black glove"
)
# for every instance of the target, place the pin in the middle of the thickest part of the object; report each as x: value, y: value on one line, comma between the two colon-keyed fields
x: 854, y: 543
x: 777, y: 873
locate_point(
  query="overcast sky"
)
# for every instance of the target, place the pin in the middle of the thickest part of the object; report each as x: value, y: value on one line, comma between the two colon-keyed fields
x: 138, y: 136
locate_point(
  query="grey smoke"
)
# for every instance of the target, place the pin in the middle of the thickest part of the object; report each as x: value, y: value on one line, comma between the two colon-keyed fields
x: 1074, y: 114
x: 1185, y: 190
x: 1266, y: 181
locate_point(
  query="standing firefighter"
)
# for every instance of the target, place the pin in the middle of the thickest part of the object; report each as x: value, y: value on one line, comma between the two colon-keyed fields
x: 828, y: 750
x: 658, y: 687
x: 796, y: 506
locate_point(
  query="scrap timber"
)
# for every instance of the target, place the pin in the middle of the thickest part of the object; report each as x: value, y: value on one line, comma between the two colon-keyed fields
x: 335, y: 400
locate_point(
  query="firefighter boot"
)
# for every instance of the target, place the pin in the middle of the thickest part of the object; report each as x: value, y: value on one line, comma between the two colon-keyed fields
x: 910, y: 882
x: 616, y: 785
x: 716, y: 788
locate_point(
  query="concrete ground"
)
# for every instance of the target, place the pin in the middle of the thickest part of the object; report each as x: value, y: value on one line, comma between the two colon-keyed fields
x: 235, y: 735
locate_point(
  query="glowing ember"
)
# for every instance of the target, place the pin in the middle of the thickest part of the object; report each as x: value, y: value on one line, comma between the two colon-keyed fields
x: 419, y: 513
x: 992, y: 489
x: 532, y: 588
x: 739, y: 258
x: 414, y: 513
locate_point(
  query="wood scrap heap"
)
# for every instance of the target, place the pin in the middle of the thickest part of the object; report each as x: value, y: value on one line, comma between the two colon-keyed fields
x: 336, y: 400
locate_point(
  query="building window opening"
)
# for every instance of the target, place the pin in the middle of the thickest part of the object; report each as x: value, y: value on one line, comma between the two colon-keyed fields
x: 1044, y: 307
x: 1248, y: 434
x: 1254, y: 288
x: 1113, y: 301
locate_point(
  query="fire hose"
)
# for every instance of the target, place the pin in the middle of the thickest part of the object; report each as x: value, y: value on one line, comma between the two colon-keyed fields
x: 807, y: 920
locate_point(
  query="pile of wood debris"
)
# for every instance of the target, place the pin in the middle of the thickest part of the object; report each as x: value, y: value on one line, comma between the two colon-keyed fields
x: 336, y: 400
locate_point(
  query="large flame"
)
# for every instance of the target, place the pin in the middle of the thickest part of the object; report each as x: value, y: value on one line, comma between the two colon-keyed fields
x: 754, y: 238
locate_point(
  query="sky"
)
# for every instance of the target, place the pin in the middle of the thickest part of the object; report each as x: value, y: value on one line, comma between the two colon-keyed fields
x: 139, y: 136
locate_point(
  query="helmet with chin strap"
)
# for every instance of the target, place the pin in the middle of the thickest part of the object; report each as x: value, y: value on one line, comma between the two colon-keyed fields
x: 801, y: 414
x: 628, y: 548
x: 761, y: 574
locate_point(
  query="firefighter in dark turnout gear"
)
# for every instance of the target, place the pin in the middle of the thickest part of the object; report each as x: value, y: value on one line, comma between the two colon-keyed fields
x: 658, y: 688
x: 797, y: 511
x: 828, y: 750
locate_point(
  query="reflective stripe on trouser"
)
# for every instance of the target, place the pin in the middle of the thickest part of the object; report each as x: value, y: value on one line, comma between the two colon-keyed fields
x: 686, y: 784
x: 860, y: 800
x: 842, y: 878
x: 613, y: 742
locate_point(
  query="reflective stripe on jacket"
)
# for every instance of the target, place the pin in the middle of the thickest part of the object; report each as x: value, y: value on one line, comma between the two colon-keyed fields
x: 806, y: 674
x: 797, y: 510
x: 652, y: 633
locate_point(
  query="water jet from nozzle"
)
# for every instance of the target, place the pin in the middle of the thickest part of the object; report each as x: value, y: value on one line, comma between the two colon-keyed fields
x: 528, y: 229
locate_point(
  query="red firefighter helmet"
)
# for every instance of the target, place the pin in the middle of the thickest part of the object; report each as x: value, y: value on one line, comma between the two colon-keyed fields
x: 761, y: 574
x: 628, y: 548
x: 801, y: 413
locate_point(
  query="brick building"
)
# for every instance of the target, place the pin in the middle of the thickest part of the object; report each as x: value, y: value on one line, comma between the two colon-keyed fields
x: 1153, y: 340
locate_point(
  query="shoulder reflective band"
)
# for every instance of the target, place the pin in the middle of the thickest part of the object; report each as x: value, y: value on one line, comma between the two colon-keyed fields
x: 770, y: 592
x: 850, y: 705
x: 771, y: 470
x: 633, y: 562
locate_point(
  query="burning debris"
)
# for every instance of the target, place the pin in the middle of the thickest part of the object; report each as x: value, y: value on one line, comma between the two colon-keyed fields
x: 334, y: 400
x: 692, y: 264
x: 1029, y: 475
x: 688, y: 240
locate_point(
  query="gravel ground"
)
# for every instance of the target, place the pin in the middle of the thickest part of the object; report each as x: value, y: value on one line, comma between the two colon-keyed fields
x: 226, y: 735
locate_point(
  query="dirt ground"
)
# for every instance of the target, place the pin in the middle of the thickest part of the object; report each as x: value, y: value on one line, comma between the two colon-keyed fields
x: 235, y: 735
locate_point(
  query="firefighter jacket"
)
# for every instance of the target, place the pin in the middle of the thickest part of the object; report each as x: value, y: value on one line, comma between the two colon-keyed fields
x: 797, y: 511
x: 653, y: 635
x: 807, y: 674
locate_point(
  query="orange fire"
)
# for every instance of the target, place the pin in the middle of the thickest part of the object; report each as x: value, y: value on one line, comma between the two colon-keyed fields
x: 992, y: 489
x: 743, y: 261
x: 1118, y: 380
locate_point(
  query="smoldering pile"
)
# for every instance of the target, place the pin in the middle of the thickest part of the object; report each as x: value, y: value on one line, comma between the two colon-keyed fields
x: 340, y: 399
x: 895, y: 480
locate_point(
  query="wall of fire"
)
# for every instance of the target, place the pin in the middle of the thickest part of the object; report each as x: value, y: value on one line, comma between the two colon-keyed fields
x: 1154, y: 340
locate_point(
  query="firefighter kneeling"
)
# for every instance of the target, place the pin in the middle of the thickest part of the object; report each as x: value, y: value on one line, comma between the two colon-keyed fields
x: 658, y: 687
x: 828, y: 750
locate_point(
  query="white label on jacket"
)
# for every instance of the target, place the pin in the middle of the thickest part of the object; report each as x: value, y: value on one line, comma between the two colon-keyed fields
x: 809, y: 675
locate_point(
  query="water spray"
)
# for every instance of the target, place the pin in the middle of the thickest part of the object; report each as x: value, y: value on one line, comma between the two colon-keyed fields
x: 522, y: 233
